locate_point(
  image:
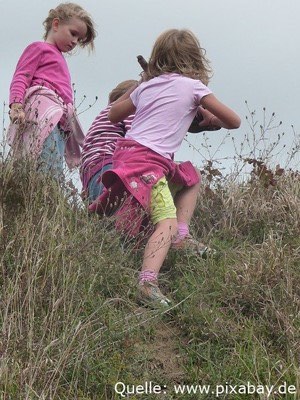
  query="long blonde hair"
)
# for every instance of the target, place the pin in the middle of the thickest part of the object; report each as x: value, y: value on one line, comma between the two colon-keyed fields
x: 64, y: 12
x: 179, y: 51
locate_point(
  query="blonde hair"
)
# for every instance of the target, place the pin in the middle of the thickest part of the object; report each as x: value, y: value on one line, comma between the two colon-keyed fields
x: 64, y: 12
x: 120, y: 89
x: 179, y: 51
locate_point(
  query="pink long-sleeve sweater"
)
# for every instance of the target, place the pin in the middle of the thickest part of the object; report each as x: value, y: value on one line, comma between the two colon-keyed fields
x: 41, y: 64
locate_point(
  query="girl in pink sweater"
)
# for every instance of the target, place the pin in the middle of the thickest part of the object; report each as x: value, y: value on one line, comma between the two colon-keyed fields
x: 43, y: 124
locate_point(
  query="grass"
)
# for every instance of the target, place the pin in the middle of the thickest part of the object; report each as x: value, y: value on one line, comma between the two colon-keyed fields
x: 70, y: 324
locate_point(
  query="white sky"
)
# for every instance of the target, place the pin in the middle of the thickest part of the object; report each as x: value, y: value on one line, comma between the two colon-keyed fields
x: 253, y: 46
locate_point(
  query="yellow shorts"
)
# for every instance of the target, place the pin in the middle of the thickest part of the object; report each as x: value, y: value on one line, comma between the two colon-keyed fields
x: 162, y: 200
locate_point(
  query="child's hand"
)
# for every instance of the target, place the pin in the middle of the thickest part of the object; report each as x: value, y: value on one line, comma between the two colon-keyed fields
x: 204, y: 121
x: 17, y: 114
x: 209, y: 119
x: 143, y: 77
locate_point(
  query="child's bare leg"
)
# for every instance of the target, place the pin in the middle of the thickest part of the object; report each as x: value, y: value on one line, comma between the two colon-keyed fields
x: 158, y: 245
x: 163, y: 216
x: 185, y: 202
x: 155, y: 253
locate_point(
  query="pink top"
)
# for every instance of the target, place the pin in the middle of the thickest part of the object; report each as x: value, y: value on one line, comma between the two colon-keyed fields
x: 41, y: 64
x: 165, y: 108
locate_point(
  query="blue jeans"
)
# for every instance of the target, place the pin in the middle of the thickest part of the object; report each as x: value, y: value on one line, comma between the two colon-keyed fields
x: 96, y: 188
x: 51, y: 159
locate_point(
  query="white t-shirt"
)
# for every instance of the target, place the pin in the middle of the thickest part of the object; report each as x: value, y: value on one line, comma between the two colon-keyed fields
x: 165, y: 108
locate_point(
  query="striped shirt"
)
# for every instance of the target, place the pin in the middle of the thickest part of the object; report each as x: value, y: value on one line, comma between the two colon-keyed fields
x: 99, y: 144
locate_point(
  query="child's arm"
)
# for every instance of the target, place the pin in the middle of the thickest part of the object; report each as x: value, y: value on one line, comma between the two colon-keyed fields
x: 126, y: 95
x: 220, y: 114
x: 22, y: 79
x: 120, y: 110
x: 122, y: 107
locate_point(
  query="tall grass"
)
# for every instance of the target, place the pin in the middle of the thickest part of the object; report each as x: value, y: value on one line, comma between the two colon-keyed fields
x: 70, y: 325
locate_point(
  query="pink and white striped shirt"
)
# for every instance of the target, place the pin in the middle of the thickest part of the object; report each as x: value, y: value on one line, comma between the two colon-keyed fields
x: 100, y: 143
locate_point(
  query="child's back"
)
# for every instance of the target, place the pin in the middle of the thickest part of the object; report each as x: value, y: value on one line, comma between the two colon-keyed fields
x: 165, y: 107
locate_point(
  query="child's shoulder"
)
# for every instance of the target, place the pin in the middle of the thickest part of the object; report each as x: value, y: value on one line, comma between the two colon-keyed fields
x: 182, y: 80
x: 36, y: 49
x: 173, y: 79
x: 39, y: 45
x: 34, y: 46
x: 192, y: 82
x: 174, y: 76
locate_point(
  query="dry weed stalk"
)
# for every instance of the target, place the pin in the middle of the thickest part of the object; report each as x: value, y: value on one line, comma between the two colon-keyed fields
x: 68, y: 322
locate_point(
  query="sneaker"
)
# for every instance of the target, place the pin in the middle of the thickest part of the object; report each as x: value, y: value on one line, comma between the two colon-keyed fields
x: 192, y: 245
x: 149, y: 293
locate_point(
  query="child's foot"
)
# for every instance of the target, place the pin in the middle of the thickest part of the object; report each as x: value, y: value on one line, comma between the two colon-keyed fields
x: 149, y: 293
x: 192, y: 245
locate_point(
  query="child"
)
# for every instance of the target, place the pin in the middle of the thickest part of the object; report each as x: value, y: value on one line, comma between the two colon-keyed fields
x: 164, y: 108
x: 99, y: 144
x: 43, y: 122
x: 96, y: 158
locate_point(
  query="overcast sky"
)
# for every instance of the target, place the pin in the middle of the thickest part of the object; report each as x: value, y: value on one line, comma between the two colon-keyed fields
x: 253, y: 46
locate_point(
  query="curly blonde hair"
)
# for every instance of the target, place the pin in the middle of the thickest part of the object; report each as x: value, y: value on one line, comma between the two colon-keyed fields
x: 179, y: 51
x: 120, y: 89
x: 64, y: 12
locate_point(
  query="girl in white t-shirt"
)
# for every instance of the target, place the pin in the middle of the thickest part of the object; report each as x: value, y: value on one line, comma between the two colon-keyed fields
x: 164, y: 106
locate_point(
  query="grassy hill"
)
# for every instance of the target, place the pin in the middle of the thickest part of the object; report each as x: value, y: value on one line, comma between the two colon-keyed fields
x: 70, y: 325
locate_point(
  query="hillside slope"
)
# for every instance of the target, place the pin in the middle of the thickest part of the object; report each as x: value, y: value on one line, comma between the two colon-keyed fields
x: 70, y: 325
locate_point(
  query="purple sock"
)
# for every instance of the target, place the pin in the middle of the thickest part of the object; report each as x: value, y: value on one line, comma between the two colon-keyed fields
x: 183, y: 231
x: 147, y: 276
